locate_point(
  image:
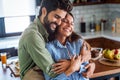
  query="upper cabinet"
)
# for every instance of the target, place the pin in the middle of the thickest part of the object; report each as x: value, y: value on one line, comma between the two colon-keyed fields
x: 113, y: 1
x: 87, y: 2
x: 92, y: 2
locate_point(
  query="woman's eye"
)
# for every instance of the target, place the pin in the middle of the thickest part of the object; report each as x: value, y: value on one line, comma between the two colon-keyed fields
x: 64, y: 20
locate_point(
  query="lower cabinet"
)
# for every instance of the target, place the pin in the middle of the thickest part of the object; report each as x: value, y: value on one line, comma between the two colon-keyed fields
x: 103, y: 43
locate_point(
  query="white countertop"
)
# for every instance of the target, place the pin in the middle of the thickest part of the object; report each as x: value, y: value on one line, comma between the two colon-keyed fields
x: 105, y: 34
x: 13, y: 41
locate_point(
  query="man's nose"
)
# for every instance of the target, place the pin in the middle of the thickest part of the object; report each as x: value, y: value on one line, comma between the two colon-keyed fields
x: 58, y: 21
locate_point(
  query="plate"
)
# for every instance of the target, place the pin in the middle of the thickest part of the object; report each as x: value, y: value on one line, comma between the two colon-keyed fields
x: 112, y: 60
x: 12, y: 59
x: 109, y: 62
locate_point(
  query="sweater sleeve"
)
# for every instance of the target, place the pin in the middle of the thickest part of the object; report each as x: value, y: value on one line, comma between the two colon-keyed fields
x: 40, y: 55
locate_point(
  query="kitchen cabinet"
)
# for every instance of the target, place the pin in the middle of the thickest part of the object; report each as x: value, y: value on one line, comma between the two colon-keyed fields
x: 103, y: 43
x: 113, y: 1
x: 94, y: 2
x: 111, y: 44
x: 79, y: 3
x: 96, y: 42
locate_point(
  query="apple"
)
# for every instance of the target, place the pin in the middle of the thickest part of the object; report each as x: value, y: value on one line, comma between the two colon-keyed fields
x: 109, y: 54
x: 117, y: 54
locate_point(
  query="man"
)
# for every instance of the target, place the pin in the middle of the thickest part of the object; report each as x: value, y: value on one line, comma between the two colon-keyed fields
x: 32, y: 51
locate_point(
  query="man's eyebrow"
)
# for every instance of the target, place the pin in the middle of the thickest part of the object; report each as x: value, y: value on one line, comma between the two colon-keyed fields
x: 56, y: 15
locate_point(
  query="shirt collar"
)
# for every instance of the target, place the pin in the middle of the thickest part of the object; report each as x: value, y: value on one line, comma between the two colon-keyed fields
x: 41, y: 28
x: 58, y: 44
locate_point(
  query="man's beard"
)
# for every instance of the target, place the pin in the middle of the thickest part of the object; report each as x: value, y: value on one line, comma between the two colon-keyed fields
x: 47, y: 25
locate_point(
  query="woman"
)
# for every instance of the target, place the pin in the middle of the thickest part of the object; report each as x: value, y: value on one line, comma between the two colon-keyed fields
x: 65, y: 44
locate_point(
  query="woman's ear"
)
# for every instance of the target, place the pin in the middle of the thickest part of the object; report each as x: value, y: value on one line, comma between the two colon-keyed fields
x: 44, y: 11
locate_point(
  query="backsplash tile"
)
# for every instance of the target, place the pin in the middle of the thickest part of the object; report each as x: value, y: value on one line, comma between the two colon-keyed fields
x: 101, y: 11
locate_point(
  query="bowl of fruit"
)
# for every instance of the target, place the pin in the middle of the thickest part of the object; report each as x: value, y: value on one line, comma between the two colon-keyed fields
x: 112, y: 55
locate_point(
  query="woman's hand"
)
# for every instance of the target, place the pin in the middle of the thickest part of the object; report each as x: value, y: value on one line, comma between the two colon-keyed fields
x: 85, y: 52
x: 90, y: 70
x: 61, y: 66
x: 76, y: 61
x: 74, y: 66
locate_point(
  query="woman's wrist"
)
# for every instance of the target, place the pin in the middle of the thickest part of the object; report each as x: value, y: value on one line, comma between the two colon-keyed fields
x: 69, y: 71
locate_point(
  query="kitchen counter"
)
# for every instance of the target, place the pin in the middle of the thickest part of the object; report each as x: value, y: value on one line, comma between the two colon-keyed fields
x: 105, y: 34
x: 13, y: 41
x: 105, y: 72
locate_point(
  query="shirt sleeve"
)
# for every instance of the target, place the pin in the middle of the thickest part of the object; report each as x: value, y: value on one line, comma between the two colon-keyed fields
x: 82, y: 67
x: 40, y: 55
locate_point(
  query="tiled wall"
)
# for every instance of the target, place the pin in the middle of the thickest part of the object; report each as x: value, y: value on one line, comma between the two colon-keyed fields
x: 114, y: 12
x: 101, y: 11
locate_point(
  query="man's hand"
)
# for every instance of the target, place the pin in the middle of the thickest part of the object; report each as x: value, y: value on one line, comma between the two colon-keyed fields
x: 61, y: 66
x: 90, y: 70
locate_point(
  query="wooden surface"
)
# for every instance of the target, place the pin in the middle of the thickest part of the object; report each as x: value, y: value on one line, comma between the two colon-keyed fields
x: 104, y: 43
x: 14, y: 70
x: 102, y: 70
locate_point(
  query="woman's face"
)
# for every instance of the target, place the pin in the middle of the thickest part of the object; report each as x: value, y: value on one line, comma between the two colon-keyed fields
x: 66, y: 27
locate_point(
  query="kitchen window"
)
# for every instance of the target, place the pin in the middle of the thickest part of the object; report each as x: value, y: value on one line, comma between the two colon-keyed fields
x: 15, y: 16
x: 16, y: 24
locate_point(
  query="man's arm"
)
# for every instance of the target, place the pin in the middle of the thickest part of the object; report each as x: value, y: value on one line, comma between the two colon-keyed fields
x: 39, y: 54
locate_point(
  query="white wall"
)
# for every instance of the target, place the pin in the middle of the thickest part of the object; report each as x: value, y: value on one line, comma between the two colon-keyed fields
x: 17, y: 7
x: 1, y: 8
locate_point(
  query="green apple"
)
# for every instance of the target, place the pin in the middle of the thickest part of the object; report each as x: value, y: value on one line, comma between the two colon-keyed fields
x: 117, y: 54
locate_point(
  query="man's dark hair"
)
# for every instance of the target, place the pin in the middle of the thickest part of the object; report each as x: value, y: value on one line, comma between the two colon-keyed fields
x: 51, y: 5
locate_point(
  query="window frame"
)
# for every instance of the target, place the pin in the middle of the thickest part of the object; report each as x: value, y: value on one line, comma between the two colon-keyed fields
x: 2, y: 27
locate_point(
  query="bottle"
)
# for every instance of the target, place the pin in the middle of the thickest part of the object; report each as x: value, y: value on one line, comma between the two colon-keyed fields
x: 97, y: 27
x: 113, y: 26
x: 102, y: 24
x: 92, y: 23
x: 83, y: 25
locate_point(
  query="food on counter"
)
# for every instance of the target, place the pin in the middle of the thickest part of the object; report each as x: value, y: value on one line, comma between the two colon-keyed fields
x: 95, y: 53
x: 109, y: 54
x: 117, y: 54
x: 17, y: 66
x: 112, y: 54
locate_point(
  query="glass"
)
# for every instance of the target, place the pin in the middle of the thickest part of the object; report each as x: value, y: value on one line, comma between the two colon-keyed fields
x: 4, y: 58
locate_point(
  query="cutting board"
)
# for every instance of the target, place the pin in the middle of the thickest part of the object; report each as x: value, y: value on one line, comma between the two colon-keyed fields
x: 109, y: 63
x: 14, y: 70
